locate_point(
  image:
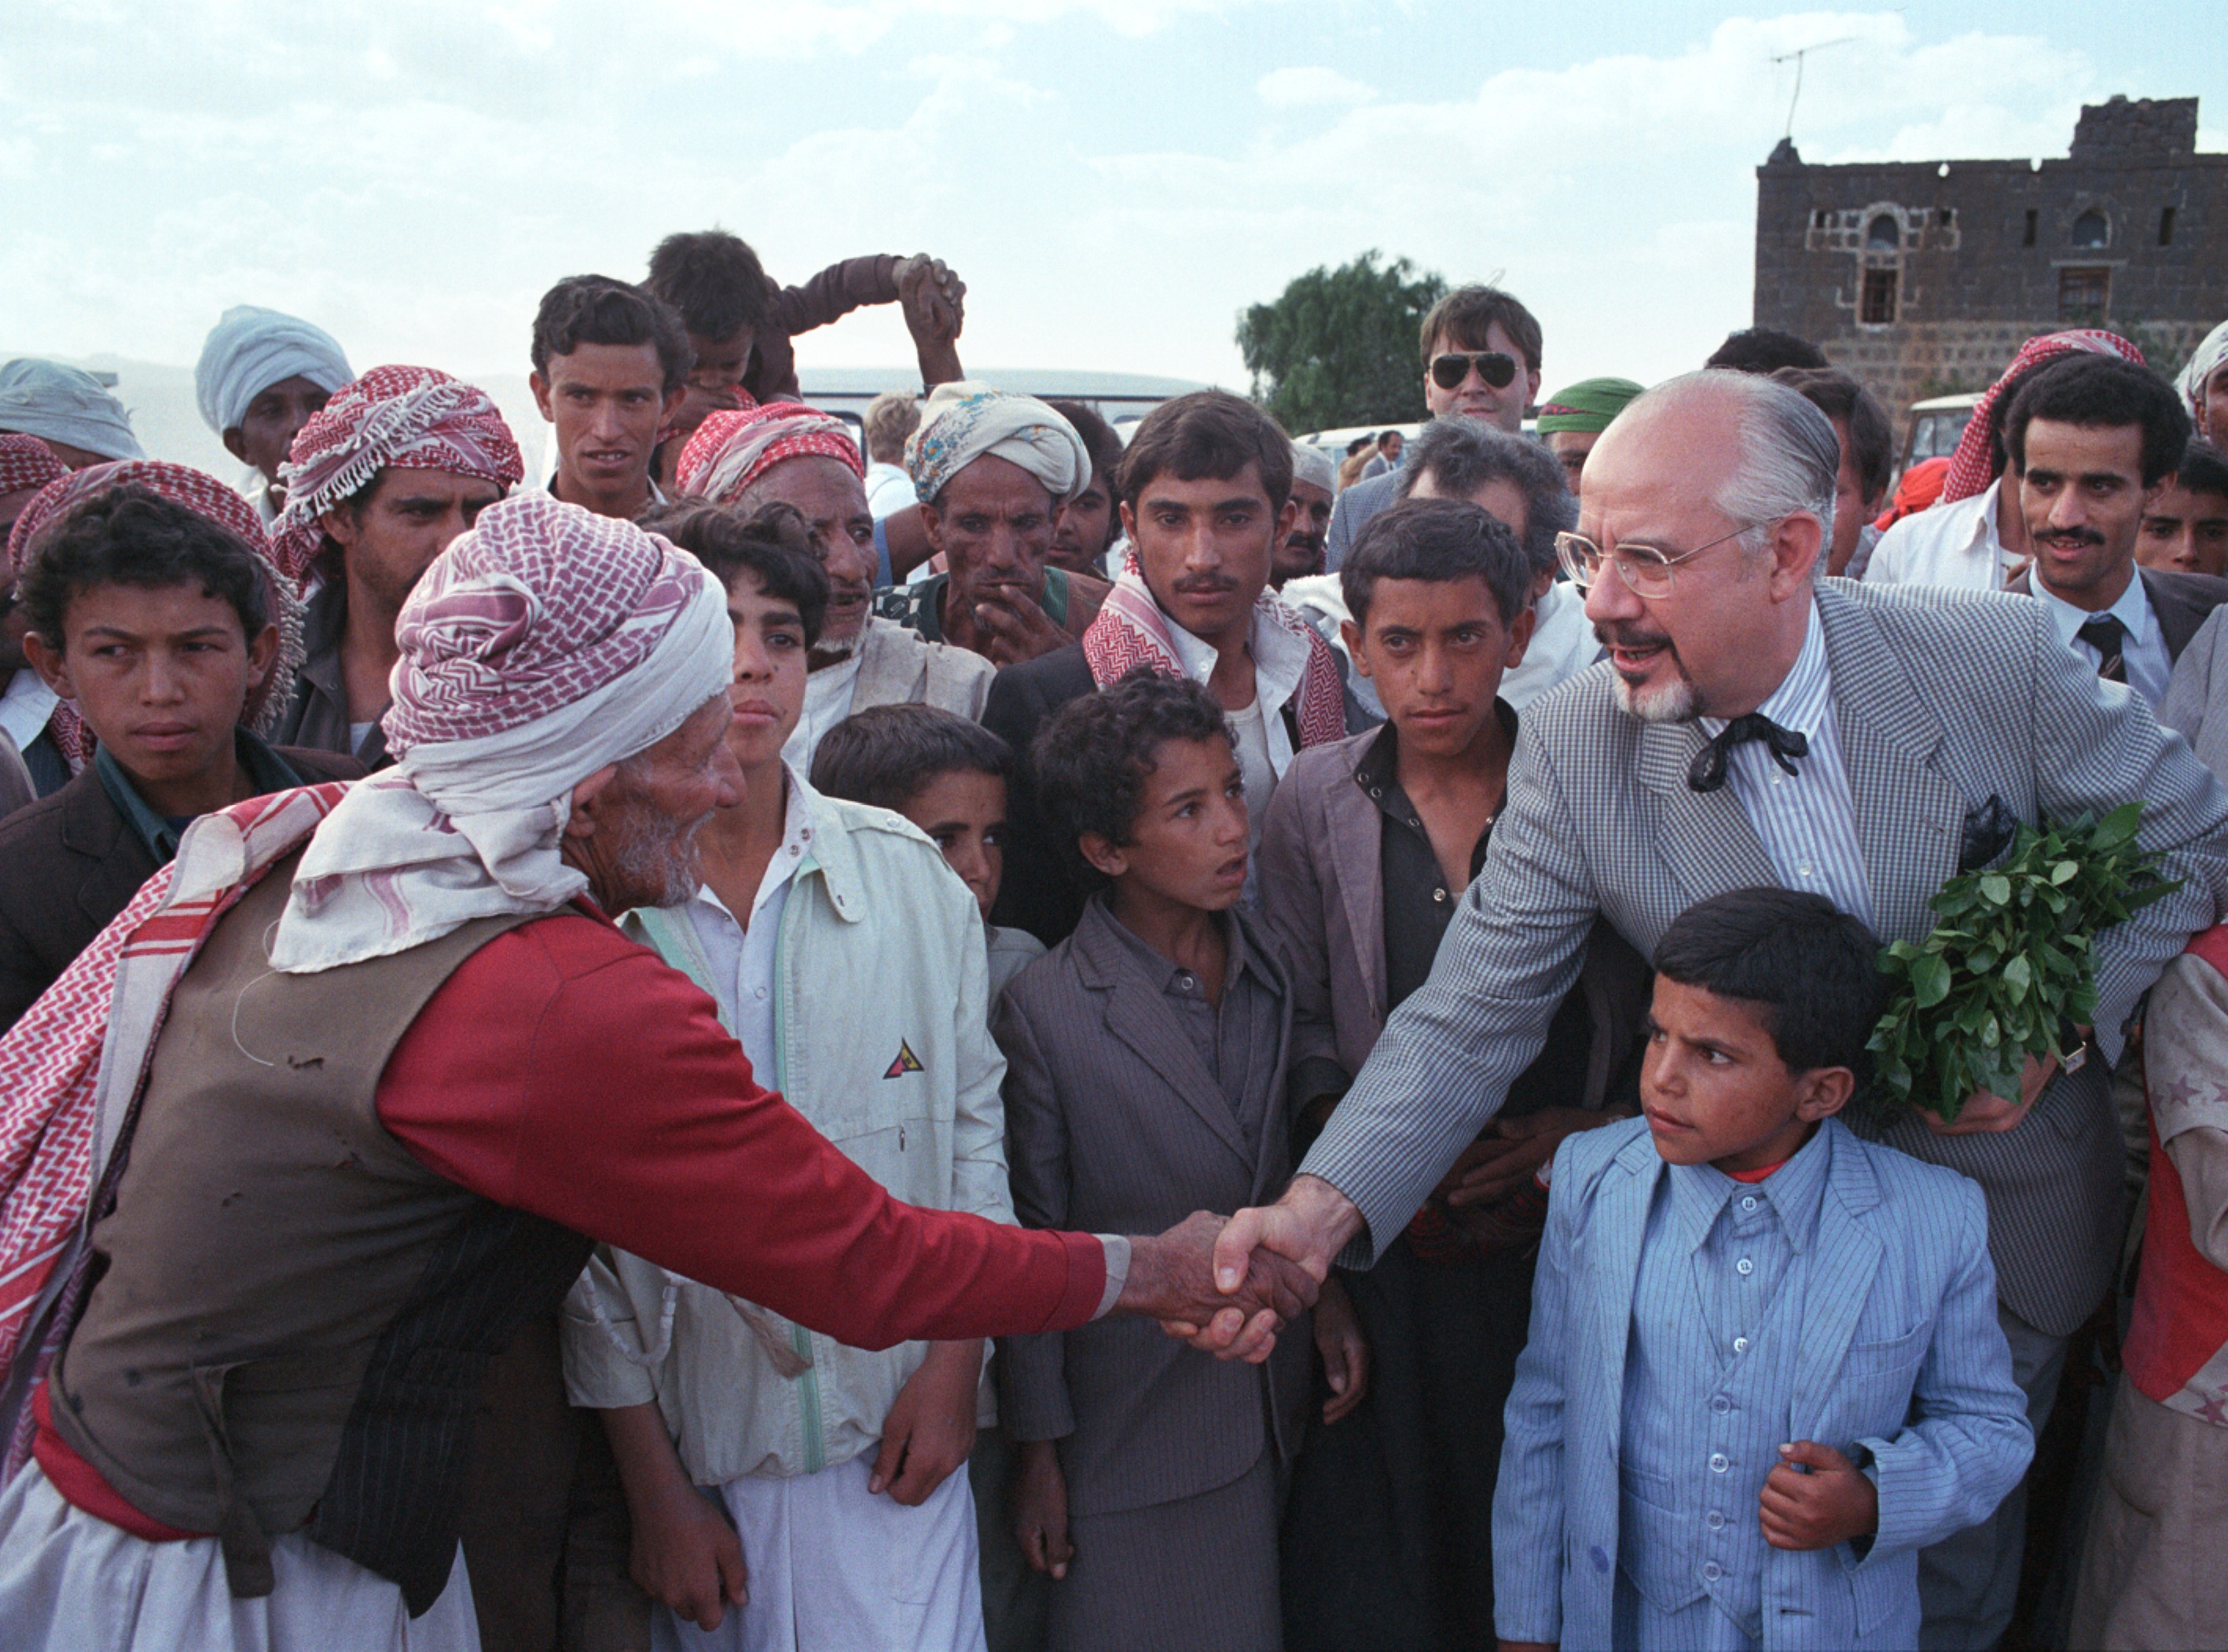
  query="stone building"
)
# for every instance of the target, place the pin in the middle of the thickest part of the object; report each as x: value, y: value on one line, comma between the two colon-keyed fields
x: 1923, y: 278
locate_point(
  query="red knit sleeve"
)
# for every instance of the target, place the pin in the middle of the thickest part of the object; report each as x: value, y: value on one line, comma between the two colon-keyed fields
x: 565, y: 1070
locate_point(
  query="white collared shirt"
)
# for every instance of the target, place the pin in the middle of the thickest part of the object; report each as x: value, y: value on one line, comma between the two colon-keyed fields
x: 1954, y: 544
x: 26, y: 706
x: 1807, y: 821
x: 742, y: 960
x: 2143, y: 650
x: 1280, y: 665
x: 828, y: 692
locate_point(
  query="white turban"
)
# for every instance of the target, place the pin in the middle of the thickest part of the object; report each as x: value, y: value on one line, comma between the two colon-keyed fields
x: 2207, y: 359
x: 1313, y: 466
x: 253, y: 348
x: 66, y: 405
x: 965, y: 420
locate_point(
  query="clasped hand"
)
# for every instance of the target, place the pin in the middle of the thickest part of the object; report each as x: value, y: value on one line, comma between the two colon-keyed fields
x: 1234, y: 1309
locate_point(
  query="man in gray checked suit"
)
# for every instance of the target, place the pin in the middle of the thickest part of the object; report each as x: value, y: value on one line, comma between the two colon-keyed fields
x: 1753, y: 724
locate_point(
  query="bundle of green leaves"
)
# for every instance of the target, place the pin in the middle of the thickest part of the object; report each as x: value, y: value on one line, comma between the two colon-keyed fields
x: 2009, y: 969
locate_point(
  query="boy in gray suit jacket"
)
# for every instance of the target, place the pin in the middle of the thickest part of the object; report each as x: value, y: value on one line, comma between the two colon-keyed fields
x: 1764, y: 1368
x: 1146, y: 1072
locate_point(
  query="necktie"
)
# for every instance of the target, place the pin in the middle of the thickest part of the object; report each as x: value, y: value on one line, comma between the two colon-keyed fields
x: 2109, y: 638
x: 1707, y: 772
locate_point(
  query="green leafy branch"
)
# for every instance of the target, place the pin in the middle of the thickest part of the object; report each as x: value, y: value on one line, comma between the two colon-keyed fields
x: 2011, y: 965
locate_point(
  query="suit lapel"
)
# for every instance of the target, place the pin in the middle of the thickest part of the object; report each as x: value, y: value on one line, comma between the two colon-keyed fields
x: 1355, y: 830
x: 1910, y: 816
x: 117, y: 862
x: 1615, y: 1233
x: 1846, y: 1255
x: 1140, y: 1019
x: 2178, y: 614
x: 1704, y: 837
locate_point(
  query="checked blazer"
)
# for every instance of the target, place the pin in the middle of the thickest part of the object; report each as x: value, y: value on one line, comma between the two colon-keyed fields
x: 1943, y: 700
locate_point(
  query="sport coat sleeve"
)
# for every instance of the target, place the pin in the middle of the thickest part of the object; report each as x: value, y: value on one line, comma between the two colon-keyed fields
x: 1968, y: 1441
x: 1292, y: 907
x: 1037, y: 1405
x: 2189, y: 692
x: 1529, y: 1500
x: 2097, y: 745
x: 979, y: 1180
x: 1444, y: 1065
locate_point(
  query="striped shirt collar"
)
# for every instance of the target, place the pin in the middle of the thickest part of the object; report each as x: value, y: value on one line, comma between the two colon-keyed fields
x: 1805, y: 696
x: 1700, y: 1192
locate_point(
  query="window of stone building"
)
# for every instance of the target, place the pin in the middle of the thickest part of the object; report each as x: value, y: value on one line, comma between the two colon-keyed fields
x: 2091, y: 230
x: 1945, y: 217
x: 1877, y: 305
x: 2033, y: 221
x: 2084, y: 294
x: 2166, y: 225
x: 1884, y: 234
x: 1818, y: 219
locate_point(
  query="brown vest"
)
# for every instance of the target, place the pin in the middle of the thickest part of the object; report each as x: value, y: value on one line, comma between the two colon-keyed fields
x: 291, y: 1313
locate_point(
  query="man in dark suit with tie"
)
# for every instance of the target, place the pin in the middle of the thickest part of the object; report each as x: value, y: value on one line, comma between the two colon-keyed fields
x: 1752, y: 724
x: 2092, y: 439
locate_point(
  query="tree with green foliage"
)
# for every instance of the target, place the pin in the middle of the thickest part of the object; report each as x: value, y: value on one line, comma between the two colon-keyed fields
x: 1338, y: 347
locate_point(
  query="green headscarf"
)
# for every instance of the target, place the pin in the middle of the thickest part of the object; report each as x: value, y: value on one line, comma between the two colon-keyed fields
x: 1588, y: 405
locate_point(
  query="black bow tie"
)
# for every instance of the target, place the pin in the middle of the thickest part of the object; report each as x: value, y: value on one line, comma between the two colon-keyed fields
x: 1708, y: 771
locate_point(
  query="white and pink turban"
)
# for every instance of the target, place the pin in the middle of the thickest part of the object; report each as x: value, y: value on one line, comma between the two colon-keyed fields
x: 543, y: 645
x: 210, y: 500
x: 731, y: 450
x: 409, y: 417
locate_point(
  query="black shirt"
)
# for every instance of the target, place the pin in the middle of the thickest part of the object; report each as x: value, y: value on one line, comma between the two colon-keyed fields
x: 1419, y: 906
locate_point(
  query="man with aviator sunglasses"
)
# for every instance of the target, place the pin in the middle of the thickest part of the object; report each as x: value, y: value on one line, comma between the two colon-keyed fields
x: 1480, y: 353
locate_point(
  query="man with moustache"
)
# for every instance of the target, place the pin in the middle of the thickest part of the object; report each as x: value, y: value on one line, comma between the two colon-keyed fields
x: 1481, y: 351
x: 787, y: 453
x: 1315, y: 486
x: 391, y: 470
x: 1206, y: 499
x: 1754, y: 725
x: 994, y: 472
x: 2092, y: 440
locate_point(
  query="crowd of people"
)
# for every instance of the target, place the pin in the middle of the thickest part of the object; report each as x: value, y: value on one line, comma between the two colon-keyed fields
x: 1000, y: 1038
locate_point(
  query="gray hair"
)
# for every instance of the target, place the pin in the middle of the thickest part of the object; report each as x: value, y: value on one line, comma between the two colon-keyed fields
x: 1790, y: 457
x: 1463, y: 455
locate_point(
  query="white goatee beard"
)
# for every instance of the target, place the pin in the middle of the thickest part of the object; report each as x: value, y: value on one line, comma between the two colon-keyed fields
x: 1674, y: 702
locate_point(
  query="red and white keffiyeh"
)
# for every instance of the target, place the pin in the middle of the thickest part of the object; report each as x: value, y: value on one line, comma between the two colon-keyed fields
x: 731, y: 450
x: 407, y: 418
x: 541, y: 645
x: 71, y: 1071
x: 1971, y: 467
x: 27, y: 461
x: 1130, y: 630
x: 212, y: 501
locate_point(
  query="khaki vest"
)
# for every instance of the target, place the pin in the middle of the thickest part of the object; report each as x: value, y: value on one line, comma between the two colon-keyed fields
x: 291, y: 1313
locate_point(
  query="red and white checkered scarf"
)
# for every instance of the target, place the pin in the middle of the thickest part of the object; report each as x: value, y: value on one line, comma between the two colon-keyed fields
x: 734, y: 447
x: 212, y: 501
x: 1130, y: 630
x: 27, y: 461
x: 71, y: 1071
x: 1971, y: 467
x: 406, y: 417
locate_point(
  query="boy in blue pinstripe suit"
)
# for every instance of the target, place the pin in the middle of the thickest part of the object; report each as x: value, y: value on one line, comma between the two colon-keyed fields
x: 1764, y: 1366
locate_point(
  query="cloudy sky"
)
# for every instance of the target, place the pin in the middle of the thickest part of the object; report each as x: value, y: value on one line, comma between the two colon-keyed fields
x: 1115, y: 178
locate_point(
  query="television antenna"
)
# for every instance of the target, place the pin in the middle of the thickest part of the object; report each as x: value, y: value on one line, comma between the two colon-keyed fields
x: 1797, y: 55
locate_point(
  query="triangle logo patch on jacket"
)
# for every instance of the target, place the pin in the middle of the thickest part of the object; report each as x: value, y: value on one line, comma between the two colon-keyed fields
x: 907, y: 1062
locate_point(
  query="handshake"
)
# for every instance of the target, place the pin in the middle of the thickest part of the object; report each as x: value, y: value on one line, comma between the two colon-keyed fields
x: 1228, y: 1285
